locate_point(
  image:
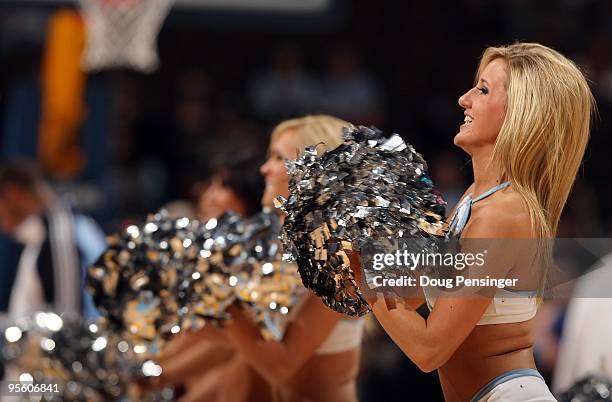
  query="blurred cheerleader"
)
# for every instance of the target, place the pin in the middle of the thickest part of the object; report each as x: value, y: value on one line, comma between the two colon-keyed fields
x: 204, y: 362
x: 318, y: 359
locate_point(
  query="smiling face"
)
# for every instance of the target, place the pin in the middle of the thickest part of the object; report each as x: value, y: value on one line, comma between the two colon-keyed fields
x: 484, y: 108
x: 274, y: 171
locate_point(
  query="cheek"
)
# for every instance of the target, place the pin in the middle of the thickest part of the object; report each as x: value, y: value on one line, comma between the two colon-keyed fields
x: 502, y: 117
x: 230, y: 201
x: 499, y: 110
x: 497, y: 123
x: 226, y: 198
x: 208, y: 197
x: 235, y: 204
x: 491, y: 119
x: 279, y: 171
x: 202, y: 202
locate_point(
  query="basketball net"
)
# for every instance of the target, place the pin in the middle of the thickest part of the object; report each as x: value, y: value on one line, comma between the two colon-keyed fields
x: 122, y: 33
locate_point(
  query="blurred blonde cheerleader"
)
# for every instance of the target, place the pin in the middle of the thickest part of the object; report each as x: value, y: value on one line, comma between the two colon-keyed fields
x: 318, y: 359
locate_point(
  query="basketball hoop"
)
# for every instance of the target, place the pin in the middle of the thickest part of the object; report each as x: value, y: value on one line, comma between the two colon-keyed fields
x: 122, y: 33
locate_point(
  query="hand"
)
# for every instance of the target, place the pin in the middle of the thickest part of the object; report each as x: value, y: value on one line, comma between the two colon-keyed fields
x: 357, y: 268
x: 355, y: 259
x: 141, y: 387
x: 370, y: 296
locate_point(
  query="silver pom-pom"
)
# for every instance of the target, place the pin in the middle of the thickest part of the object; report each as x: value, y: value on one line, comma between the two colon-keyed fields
x: 172, y: 275
x: 370, y: 187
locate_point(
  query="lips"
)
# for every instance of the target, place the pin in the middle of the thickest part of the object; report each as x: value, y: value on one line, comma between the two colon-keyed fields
x: 467, y: 120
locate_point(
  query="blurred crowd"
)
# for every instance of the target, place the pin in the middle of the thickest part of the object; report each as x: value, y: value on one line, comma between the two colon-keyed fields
x: 149, y: 141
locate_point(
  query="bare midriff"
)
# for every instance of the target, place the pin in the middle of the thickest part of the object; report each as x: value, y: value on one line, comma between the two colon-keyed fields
x: 489, y: 351
x: 325, y: 378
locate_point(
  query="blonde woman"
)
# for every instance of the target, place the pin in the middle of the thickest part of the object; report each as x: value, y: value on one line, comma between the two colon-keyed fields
x: 526, y: 126
x: 318, y: 359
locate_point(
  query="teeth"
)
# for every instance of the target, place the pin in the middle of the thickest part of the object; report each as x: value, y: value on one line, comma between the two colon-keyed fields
x: 467, y: 119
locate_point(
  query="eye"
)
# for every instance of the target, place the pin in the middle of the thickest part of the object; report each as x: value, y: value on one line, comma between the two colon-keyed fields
x: 274, y: 156
x: 484, y: 90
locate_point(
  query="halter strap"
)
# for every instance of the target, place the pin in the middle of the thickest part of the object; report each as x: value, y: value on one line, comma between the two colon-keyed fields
x: 462, y: 214
x: 491, y: 191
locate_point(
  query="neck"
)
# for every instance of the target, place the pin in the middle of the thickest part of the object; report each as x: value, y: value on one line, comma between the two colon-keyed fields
x: 486, y: 173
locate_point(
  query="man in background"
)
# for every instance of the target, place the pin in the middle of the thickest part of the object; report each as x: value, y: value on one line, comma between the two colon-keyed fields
x: 44, y: 259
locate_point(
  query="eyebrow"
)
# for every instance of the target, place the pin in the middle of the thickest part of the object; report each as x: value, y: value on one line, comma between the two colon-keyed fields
x: 485, y: 81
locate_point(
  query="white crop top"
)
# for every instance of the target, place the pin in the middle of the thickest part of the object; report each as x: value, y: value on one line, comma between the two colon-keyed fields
x: 346, y: 335
x: 507, y: 306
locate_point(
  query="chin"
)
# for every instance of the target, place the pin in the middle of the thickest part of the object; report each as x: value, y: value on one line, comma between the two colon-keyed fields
x: 460, y: 141
x: 268, y: 199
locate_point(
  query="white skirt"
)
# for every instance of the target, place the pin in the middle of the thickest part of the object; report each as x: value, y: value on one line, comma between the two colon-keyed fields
x: 521, y: 385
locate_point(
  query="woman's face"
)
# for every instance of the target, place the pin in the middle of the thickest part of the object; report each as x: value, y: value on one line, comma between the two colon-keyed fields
x: 218, y: 199
x: 274, y: 171
x: 484, y: 108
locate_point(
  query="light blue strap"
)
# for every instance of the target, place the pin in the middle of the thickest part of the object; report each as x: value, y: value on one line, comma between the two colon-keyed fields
x: 491, y: 191
x: 462, y: 215
x: 517, y: 293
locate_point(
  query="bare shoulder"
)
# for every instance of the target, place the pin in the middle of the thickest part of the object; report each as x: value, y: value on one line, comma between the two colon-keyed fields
x: 502, y: 215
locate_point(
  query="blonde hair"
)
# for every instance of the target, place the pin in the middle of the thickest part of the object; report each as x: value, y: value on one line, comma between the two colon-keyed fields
x: 545, y: 131
x: 321, y: 130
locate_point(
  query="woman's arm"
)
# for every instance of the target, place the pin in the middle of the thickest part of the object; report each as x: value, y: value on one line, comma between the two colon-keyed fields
x: 187, y: 354
x: 186, y: 339
x: 229, y: 382
x: 430, y: 343
x: 199, y: 358
x: 277, y: 362
x: 370, y: 295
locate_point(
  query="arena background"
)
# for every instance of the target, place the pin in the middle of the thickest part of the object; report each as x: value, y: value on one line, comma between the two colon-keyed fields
x: 231, y: 70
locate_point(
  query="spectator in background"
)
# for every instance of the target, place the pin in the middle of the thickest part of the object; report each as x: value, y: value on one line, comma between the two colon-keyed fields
x: 585, y: 341
x: 285, y: 89
x: 236, y: 186
x: 348, y: 90
x: 43, y: 266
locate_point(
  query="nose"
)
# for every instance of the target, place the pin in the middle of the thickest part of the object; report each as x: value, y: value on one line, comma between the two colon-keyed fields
x: 465, y: 100
x: 263, y: 169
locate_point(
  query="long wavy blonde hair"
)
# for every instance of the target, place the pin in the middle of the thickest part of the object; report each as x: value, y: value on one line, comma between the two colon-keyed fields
x: 322, y: 130
x: 545, y: 131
